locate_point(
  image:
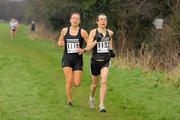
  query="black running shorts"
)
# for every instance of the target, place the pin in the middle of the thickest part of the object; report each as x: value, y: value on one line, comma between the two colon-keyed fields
x: 73, y: 61
x: 96, y: 66
x: 13, y: 29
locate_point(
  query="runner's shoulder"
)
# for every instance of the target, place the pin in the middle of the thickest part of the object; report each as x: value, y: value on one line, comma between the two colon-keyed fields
x: 83, y: 31
x: 93, y: 31
x: 64, y: 30
x: 110, y: 31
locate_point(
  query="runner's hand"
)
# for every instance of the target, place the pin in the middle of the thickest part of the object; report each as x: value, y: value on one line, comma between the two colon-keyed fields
x: 80, y: 51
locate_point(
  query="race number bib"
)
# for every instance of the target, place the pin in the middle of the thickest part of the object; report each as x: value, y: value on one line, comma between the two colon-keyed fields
x: 103, y: 47
x: 72, y: 45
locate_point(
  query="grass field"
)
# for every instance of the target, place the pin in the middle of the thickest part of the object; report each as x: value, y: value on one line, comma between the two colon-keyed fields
x: 32, y: 86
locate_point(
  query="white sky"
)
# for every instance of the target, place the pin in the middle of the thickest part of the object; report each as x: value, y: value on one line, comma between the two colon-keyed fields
x: 15, y: 0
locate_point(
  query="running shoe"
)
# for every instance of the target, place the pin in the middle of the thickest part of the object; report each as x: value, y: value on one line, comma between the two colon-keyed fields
x: 70, y: 104
x: 102, y: 108
x: 92, y: 103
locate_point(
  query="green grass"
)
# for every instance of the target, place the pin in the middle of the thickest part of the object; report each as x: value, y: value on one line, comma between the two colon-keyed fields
x: 32, y: 86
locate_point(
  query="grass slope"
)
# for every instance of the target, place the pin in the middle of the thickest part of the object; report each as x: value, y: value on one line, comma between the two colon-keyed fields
x: 32, y: 86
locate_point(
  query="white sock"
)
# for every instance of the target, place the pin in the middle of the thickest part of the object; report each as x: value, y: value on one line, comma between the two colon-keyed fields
x: 101, y: 105
x: 91, y: 98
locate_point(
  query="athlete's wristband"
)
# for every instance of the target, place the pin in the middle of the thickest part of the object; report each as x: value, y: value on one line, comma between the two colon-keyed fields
x: 112, y: 54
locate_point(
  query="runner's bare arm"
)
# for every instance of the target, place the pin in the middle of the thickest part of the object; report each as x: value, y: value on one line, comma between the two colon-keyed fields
x: 84, y: 35
x: 91, y: 42
x: 111, y: 40
x: 111, y: 51
x: 61, y: 37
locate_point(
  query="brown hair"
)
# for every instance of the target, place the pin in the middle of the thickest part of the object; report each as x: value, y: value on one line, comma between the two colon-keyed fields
x: 75, y: 13
x: 99, y: 15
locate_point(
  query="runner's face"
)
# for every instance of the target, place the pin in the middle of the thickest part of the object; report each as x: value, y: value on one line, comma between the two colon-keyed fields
x: 75, y: 20
x: 102, y: 21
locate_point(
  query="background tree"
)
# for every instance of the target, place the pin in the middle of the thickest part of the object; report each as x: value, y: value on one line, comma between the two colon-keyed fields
x: 130, y: 20
x: 12, y: 9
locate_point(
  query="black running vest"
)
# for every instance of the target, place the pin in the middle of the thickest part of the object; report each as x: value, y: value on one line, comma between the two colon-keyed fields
x: 72, y: 42
x: 101, y: 50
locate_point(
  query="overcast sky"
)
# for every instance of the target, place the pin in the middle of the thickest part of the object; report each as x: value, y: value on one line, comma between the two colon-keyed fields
x: 15, y: 0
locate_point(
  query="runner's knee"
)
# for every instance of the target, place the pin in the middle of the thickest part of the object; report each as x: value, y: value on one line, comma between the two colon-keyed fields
x: 69, y: 82
x: 94, y: 84
x: 103, y: 82
x: 77, y: 83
